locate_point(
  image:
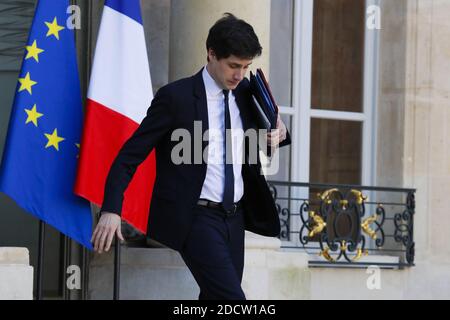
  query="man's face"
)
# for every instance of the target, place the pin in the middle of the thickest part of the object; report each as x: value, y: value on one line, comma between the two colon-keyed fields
x: 227, y: 72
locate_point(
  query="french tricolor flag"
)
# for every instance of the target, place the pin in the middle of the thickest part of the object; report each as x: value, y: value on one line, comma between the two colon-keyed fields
x: 120, y: 92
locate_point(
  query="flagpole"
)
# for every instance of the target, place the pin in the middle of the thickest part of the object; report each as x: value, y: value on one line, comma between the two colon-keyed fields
x: 117, y: 269
x: 40, y: 265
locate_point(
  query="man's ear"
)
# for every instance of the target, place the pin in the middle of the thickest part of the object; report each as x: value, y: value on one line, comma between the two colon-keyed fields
x: 211, y: 54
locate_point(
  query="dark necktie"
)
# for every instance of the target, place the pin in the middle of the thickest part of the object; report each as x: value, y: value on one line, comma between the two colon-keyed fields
x: 228, y: 194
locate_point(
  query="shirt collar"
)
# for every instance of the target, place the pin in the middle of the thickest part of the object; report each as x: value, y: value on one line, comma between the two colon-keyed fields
x: 211, y: 86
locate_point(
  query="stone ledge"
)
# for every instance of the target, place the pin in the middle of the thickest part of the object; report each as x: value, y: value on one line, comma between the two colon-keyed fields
x: 148, y: 273
x: 13, y: 255
x: 276, y: 274
x: 255, y: 241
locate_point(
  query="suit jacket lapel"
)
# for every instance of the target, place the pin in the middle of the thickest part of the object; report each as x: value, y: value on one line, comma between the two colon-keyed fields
x: 201, y: 105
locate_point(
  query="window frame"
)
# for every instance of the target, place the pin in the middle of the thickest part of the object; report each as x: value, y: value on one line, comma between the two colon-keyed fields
x: 301, y: 111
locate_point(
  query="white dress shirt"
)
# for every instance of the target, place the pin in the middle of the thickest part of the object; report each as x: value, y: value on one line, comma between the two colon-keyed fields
x: 213, y: 186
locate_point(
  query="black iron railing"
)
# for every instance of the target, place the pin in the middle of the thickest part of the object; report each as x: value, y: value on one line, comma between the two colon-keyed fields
x: 344, y: 224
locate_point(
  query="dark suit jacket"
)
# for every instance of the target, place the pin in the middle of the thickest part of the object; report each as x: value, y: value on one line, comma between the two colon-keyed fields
x: 177, y: 187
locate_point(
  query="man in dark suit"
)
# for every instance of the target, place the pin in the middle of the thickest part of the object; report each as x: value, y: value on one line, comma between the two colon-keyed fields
x: 202, y: 208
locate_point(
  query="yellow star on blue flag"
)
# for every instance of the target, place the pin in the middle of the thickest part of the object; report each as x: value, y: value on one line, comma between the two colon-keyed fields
x: 33, y: 51
x: 33, y: 115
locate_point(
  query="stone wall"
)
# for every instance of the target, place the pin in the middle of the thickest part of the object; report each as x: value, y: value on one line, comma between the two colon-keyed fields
x: 426, y: 152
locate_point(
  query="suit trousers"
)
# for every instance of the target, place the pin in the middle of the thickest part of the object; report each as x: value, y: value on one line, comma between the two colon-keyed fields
x: 214, y: 253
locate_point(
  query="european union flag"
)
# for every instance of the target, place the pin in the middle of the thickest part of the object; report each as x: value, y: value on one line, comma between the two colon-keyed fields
x: 40, y: 157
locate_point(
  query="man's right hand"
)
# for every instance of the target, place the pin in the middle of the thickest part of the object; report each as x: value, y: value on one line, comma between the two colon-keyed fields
x: 108, y: 225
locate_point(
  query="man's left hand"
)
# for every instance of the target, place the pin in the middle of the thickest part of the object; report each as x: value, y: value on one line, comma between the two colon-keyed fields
x: 278, y: 135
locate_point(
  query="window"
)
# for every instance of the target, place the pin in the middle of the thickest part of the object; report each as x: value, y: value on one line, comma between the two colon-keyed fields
x: 334, y: 64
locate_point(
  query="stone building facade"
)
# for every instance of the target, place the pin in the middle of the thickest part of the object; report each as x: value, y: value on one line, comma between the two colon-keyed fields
x: 363, y: 86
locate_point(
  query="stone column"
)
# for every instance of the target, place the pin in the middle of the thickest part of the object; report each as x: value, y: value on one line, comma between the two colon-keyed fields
x: 191, y: 20
x: 426, y: 154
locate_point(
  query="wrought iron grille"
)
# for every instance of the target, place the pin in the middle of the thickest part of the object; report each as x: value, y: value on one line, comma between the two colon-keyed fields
x: 343, y: 224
